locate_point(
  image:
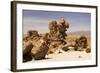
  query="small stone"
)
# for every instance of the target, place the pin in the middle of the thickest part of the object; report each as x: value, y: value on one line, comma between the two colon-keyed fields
x: 88, y: 50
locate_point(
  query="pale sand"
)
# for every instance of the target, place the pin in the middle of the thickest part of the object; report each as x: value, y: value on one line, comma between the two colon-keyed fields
x: 66, y: 56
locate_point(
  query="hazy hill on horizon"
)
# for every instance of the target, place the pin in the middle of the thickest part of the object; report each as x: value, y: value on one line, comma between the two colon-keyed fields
x: 80, y: 33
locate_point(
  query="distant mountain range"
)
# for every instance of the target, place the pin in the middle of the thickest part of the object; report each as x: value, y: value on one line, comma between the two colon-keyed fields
x: 85, y: 33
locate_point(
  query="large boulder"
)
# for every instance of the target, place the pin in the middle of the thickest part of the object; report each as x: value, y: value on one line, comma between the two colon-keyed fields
x: 39, y: 50
x: 34, y: 46
x: 81, y: 43
x: 27, y: 56
x: 58, y: 30
x: 57, y: 34
x: 32, y: 34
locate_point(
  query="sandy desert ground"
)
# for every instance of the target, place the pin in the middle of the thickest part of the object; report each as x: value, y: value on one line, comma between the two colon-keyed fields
x: 70, y: 55
x: 66, y: 56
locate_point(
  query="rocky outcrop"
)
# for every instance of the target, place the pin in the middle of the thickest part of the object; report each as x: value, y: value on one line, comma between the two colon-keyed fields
x: 27, y: 55
x: 58, y: 30
x: 81, y: 43
x: 37, y: 46
x: 39, y: 51
x: 57, y: 34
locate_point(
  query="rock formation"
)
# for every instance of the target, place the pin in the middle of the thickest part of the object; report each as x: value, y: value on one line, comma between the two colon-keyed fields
x: 37, y: 46
x: 27, y: 55
x: 57, y: 34
x: 81, y: 43
x: 39, y: 51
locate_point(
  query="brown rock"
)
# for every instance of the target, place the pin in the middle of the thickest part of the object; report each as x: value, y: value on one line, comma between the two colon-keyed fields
x: 27, y: 53
x: 32, y: 34
x: 53, y: 30
x: 64, y: 23
x: 39, y: 51
x: 45, y: 43
x: 54, y: 46
x: 88, y: 50
x: 81, y: 43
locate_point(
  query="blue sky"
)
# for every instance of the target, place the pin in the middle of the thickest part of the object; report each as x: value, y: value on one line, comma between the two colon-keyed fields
x: 38, y: 20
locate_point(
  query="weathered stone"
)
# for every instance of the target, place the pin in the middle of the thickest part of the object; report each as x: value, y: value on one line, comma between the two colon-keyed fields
x: 57, y: 34
x: 64, y: 23
x: 26, y: 41
x: 68, y: 47
x: 27, y: 56
x: 81, y: 43
x: 53, y: 30
x: 50, y: 42
x: 39, y: 51
x: 62, y: 28
x: 32, y: 34
x: 88, y: 50
x: 65, y: 48
x: 54, y: 46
